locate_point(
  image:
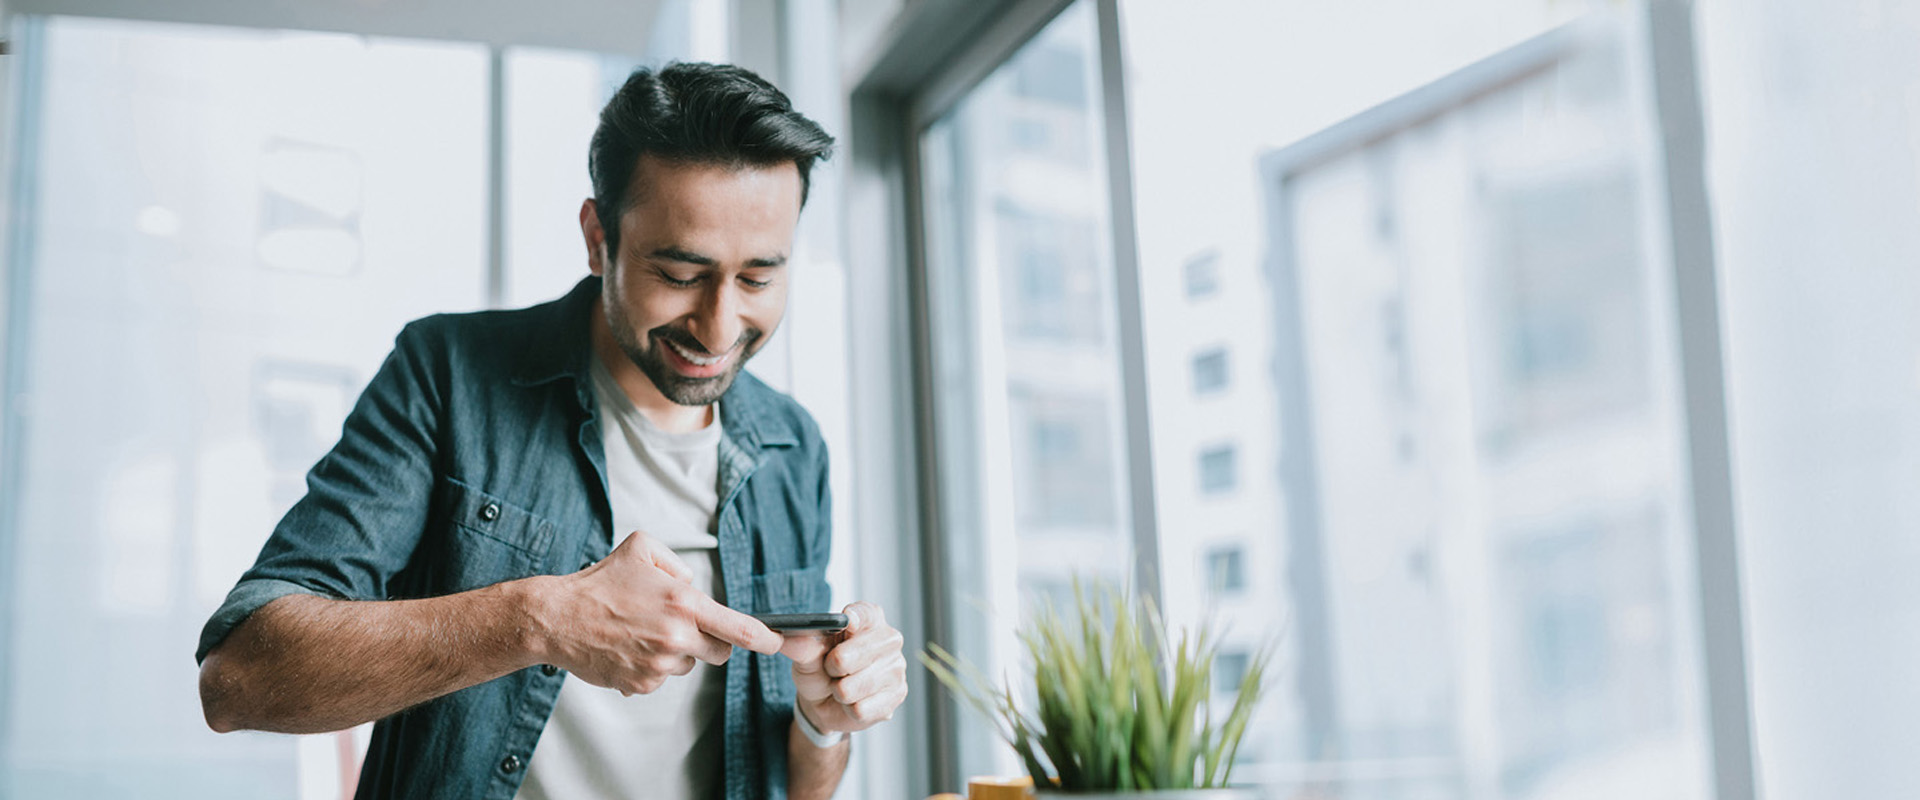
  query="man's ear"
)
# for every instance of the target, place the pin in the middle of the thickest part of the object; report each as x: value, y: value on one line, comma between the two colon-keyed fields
x: 596, y: 238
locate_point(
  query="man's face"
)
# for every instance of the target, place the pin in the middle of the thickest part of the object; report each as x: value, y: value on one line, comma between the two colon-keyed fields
x: 700, y: 279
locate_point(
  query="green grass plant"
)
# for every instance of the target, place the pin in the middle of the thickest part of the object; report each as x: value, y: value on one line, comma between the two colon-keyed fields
x: 1118, y: 705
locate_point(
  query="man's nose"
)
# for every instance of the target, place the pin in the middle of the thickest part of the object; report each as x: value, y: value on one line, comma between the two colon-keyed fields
x: 717, y: 322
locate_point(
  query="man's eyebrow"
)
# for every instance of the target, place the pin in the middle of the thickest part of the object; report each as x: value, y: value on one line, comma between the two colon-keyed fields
x: 685, y: 256
x: 689, y: 257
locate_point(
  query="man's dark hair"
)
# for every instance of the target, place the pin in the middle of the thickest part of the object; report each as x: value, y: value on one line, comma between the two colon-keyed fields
x: 695, y: 114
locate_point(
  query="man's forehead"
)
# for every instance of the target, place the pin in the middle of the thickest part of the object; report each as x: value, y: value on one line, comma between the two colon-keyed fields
x: 649, y: 170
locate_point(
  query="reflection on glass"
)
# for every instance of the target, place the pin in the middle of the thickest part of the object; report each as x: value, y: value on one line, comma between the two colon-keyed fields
x: 1020, y: 295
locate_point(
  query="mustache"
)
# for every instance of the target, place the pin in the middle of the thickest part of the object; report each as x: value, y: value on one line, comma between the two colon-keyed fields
x: 689, y: 342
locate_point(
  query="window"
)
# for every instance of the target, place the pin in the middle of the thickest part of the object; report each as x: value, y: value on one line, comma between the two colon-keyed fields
x: 1226, y: 570
x: 1456, y: 299
x: 1460, y: 299
x: 1210, y: 371
x: 1054, y: 292
x: 1027, y: 396
x: 239, y: 226
x: 1202, y: 274
x: 1062, y: 462
x: 1229, y: 669
x: 1218, y: 469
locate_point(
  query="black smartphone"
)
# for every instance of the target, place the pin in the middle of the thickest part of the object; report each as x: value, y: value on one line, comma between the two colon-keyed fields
x: 784, y: 623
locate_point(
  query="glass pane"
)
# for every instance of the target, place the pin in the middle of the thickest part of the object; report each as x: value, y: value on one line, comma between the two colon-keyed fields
x: 229, y: 228
x: 553, y: 104
x: 1457, y: 470
x: 1020, y: 287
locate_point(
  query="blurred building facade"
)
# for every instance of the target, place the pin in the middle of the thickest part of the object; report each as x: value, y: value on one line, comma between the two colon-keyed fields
x: 1467, y: 285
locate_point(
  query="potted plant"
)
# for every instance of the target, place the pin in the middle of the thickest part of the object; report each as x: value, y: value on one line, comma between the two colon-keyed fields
x: 1119, y: 706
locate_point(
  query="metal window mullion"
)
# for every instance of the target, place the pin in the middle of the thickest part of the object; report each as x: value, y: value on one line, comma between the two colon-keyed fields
x: 496, y: 276
x: 1129, y: 317
x: 1676, y: 95
x: 29, y: 86
x: 943, y: 724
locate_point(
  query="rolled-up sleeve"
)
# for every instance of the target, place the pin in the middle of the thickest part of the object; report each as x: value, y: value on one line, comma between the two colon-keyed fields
x: 367, y: 500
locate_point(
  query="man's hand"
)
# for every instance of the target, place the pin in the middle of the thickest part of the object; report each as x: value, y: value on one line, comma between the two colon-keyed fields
x: 634, y: 619
x: 853, y: 680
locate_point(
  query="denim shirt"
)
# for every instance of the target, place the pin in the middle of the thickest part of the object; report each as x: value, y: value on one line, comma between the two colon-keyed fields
x: 474, y: 457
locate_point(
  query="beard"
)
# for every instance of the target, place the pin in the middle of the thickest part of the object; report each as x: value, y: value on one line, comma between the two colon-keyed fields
x: 650, y: 356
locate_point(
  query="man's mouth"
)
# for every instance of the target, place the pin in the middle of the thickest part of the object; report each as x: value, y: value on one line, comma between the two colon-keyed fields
x: 693, y: 365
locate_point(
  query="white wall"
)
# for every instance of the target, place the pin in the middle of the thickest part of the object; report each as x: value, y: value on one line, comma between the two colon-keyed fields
x: 1813, y: 111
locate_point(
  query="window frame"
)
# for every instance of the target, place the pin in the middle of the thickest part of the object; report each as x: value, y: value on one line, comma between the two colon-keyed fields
x: 927, y: 62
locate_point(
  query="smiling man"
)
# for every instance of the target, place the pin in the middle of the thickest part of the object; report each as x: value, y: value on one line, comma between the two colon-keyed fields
x: 533, y: 554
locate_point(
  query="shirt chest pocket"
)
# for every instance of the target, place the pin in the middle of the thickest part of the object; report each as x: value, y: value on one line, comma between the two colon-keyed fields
x: 791, y: 591
x: 488, y: 538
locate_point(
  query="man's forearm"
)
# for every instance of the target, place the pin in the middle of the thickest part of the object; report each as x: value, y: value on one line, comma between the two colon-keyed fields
x: 814, y: 772
x: 306, y: 664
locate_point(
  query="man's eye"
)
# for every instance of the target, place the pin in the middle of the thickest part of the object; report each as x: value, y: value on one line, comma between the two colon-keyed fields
x: 755, y: 284
x: 678, y: 282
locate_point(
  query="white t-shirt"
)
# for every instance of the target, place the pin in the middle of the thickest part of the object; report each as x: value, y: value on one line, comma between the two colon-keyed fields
x: 667, y: 744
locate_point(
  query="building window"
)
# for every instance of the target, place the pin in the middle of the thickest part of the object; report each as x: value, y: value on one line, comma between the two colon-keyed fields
x: 1218, y: 469
x: 1229, y: 669
x: 1203, y: 274
x: 1210, y: 371
x: 1226, y: 570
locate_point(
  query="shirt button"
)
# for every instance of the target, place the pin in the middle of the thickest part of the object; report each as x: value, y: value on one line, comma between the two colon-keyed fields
x: 489, y: 512
x: 549, y: 669
x: 510, y: 764
x: 588, y: 563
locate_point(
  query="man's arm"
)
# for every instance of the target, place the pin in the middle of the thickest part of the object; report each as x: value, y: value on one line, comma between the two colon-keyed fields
x: 813, y: 772
x: 305, y: 664
x: 308, y: 664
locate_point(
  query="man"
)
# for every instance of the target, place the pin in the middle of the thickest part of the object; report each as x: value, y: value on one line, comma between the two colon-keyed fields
x: 465, y: 547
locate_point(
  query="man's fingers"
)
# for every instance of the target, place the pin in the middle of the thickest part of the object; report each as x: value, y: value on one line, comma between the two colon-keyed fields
x: 713, y: 651
x: 806, y: 650
x: 880, y: 677
x: 670, y: 563
x: 735, y: 628
x: 879, y: 707
x: 863, y: 650
x: 812, y: 687
x: 661, y: 556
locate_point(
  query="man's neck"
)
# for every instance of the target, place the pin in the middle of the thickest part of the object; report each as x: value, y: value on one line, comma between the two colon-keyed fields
x: 665, y: 414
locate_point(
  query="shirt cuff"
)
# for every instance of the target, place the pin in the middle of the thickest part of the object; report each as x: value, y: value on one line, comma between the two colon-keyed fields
x: 247, y: 597
x: 813, y: 734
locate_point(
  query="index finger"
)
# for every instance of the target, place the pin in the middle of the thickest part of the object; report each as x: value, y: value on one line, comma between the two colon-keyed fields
x: 735, y: 628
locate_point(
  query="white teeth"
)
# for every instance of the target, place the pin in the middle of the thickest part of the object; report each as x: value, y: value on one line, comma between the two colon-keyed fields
x: 696, y: 360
